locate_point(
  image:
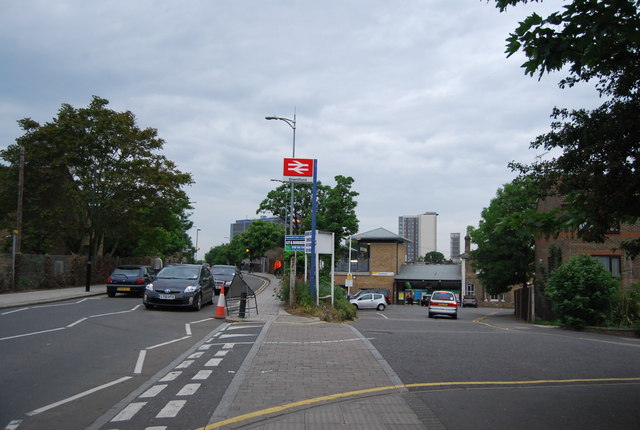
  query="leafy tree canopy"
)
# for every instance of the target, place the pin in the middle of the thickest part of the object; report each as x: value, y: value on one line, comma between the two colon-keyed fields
x: 259, y: 238
x: 505, y: 255
x: 93, y: 173
x: 434, y: 257
x: 335, y: 207
x: 598, y: 171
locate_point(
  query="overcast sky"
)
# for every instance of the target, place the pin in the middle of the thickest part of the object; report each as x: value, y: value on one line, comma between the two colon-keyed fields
x: 414, y: 99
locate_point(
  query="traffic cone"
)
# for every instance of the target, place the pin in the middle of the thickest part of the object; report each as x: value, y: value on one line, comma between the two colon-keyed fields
x: 221, y: 310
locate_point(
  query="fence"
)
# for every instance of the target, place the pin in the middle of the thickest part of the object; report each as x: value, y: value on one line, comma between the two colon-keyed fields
x: 34, y: 272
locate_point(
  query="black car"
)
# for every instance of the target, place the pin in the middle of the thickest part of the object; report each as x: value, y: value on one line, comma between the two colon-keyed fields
x: 180, y: 285
x: 223, y: 275
x: 129, y: 279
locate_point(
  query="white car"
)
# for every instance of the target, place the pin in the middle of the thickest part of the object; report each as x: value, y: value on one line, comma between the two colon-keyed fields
x: 369, y: 301
x: 443, y: 303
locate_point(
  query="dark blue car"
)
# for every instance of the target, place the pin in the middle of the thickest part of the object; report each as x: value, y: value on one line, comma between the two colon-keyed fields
x: 180, y: 285
x: 129, y: 279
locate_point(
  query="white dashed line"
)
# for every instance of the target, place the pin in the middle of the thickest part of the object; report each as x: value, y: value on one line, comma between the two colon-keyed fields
x: 221, y: 353
x: 228, y: 345
x: 204, y: 347
x: 153, y: 391
x: 170, y: 376
x: 213, y: 362
x: 226, y: 336
x: 201, y: 375
x: 189, y: 390
x: 140, y: 362
x: 171, y: 409
x: 184, y: 364
x: 127, y: 413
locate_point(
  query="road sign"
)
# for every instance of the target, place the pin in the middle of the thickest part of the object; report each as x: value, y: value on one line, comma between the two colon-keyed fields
x: 294, y: 242
x: 298, y: 169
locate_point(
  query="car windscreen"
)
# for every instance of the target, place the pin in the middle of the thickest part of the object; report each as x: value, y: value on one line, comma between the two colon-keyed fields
x: 442, y: 296
x: 223, y: 271
x: 179, y: 272
x: 126, y: 271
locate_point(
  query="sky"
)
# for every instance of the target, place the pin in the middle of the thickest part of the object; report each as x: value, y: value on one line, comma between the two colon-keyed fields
x: 414, y: 99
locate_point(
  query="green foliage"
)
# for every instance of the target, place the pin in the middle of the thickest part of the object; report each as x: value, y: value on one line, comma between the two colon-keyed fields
x: 434, y: 257
x: 625, y: 310
x: 260, y: 237
x: 505, y: 254
x: 581, y: 291
x: 335, y: 207
x: 598, y: 173
x: 117, y: 190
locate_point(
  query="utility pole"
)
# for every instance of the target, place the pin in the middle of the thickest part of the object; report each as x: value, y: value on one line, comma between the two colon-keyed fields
x: 20, y: 196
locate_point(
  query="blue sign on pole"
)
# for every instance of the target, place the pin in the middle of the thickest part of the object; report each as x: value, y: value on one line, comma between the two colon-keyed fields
x: 294, y: 242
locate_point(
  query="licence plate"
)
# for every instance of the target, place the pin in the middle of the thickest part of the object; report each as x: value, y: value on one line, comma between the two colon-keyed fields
x: 167, y: 296
x: 124, y: 289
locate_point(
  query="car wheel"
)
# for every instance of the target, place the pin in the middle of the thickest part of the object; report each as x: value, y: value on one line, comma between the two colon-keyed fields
x: 148, y: 306
x: 381, y: 307
x: 430, y: 315
x: 111, y: 293
x: 197, y: 303
x: 455, y: 316
x: 355, y: 306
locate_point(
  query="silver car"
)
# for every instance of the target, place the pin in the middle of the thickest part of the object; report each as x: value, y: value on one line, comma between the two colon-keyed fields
x: 443, y: 303
x: 369, y: 301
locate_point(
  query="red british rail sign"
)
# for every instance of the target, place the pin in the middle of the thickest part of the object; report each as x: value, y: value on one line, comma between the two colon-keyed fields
x: 298, y: 169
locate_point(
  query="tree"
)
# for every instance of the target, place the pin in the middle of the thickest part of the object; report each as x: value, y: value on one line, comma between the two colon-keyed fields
x: 92, y: 173
x: 581, y: 291
x: 259, y: 238
x: 505, y: 255
x: 598, y: 172
x: 335, y: 207
x: 434, y: 257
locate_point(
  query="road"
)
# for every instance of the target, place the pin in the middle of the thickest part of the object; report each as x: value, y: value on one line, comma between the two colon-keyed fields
x: 66, y: 364
x: 486, y: 370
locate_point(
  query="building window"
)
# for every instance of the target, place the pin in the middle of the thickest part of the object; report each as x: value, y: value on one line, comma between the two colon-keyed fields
x: 471, y: 289
x: 609, y: 262
x: 497, y: 298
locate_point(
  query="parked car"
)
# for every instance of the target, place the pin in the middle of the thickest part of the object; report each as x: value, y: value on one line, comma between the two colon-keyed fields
x: 470, y: 301
x: 443, y: 303
x: 129, y: 279
x: 223, y: 275
x: 424, y: 300
x: 385, y: 293
x: 370, y: 300
x: 181, y: 285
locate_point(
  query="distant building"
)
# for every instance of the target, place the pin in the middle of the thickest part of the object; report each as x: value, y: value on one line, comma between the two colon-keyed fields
x: 421, y: 231
x: 242, y: 225
x: 455, y: 247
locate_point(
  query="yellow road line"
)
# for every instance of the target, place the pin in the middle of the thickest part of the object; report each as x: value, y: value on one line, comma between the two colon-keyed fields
x: 308, y: 402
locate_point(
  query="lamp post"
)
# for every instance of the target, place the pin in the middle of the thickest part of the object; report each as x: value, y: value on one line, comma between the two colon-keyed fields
x: 292, y: 277
x: 196, y: 253
x: 291, y: 123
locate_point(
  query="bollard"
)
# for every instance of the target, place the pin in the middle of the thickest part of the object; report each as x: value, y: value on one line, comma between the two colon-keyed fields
x: 243, y: 304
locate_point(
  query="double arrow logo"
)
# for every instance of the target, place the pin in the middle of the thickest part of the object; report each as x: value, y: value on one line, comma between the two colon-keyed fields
x: 298, y: 167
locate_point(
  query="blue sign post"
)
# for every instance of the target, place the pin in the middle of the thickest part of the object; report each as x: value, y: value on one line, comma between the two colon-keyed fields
x: 314, y: 193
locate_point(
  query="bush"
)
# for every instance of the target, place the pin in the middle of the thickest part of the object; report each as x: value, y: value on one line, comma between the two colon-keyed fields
x: 341, y: 310
x: 582, y: 291
x: 625, y: 310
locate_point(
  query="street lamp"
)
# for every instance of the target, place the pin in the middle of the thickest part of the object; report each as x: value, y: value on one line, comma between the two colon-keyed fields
x: 291, y: 123
x: 196, y: 256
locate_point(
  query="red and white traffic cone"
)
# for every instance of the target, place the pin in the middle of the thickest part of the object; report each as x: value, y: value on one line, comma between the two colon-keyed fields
x: 221, y: 309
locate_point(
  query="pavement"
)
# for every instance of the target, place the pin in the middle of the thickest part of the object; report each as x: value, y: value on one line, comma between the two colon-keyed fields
x: 301, y: 373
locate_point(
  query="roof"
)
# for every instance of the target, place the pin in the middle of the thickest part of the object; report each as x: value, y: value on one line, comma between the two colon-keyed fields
x: 430, y: 272
x: 379, y: 235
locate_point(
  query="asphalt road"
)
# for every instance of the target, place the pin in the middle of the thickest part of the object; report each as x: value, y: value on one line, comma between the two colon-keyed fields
x: 66, y: 364
x: 487, y: 370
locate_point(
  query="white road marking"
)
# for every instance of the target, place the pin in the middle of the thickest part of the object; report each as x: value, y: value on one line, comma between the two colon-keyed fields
x: 187, y: 329
x: 127, y: 413
x: 226, y: 336
x: 77, y: 322
x: 202, y: 374
x: 196, y: 355
x: 171, y: 409
x: 140, y: 362
x: 240, y: 326
x: 13, y: 425
x: 188, y: 390
x: 14, y: 311
x: 167, y: 343
x: 205, y: 347
x: 228, y: 345
x: 153, y: 391
x: 213, y: 362
x: 184, y: 364
x: 221, y: 353
x: 156, y: 428
x: 77, y: 396
x: 383, y: 316
x: 31, y: 334
x: 201, y: 321
x: 170, y: 376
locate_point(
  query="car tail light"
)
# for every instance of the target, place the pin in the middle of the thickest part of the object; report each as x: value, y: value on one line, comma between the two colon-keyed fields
x: 109, y: 280
x: 140, y: 281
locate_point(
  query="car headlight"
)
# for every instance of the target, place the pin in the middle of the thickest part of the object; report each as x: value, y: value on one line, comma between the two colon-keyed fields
x: 190, y: 289
x: 227, y: 284
x: 149, y: 286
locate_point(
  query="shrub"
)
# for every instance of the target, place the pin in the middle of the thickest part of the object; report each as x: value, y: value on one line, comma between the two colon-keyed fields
x: 625, y: 310
x: 581, y: 291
